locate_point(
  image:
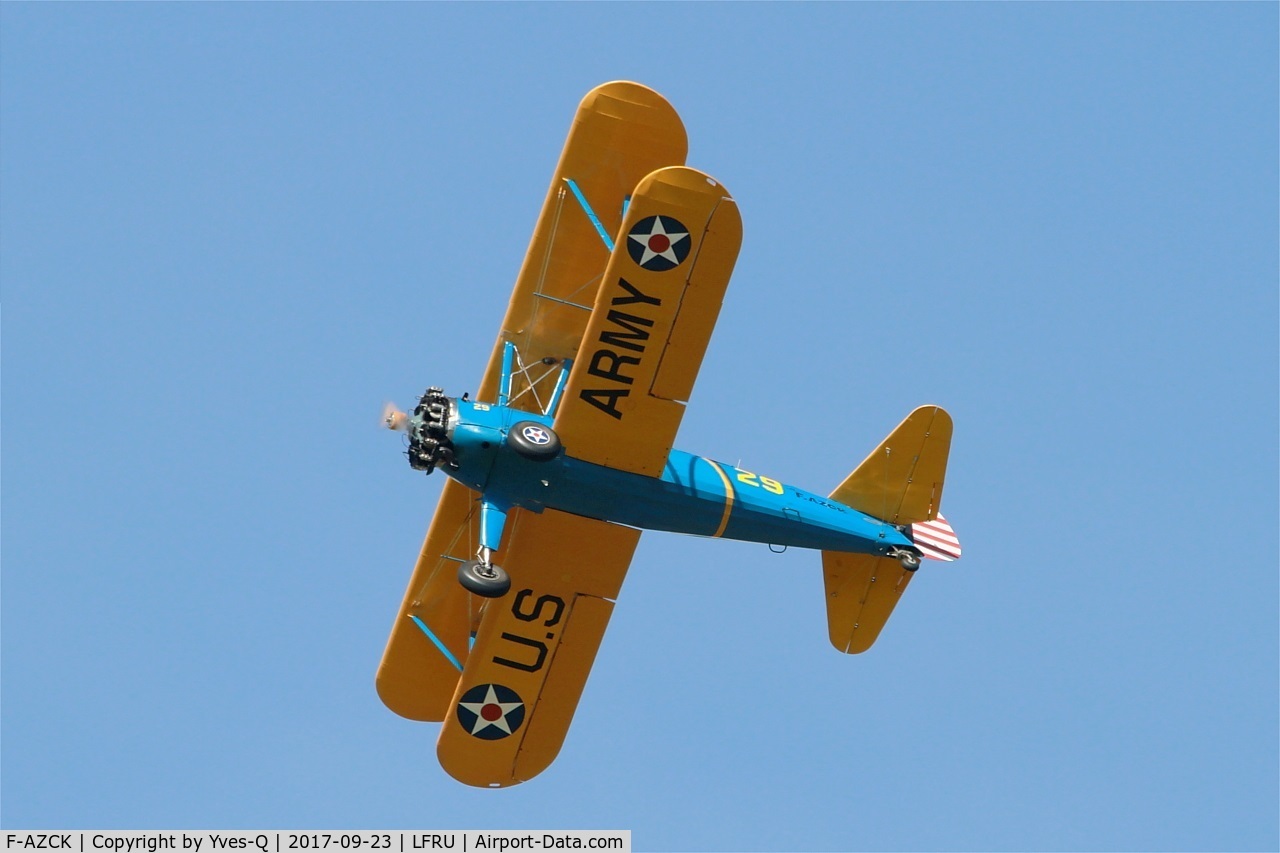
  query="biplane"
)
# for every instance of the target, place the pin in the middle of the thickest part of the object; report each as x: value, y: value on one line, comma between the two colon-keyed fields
x: 565, y: 455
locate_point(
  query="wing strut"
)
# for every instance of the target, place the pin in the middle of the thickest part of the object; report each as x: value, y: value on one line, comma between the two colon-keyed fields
x: 591, y: 214
x: 504, y: 387
x: 444, y: 650
x: 513, y: 365
x: 562, y: 381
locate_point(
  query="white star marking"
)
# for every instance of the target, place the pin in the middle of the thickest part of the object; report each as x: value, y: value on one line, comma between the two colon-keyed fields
x: 491, y: 698
x: 647, y: 241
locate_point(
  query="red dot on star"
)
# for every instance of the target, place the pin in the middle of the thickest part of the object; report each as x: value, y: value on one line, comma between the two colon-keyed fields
x: 659, y: 243
x: 490, y: 712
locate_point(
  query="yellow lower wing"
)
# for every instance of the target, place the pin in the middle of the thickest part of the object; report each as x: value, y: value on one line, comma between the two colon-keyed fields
x: 862, y: 590
x: 653, y: 317
x: 420, y: 667
x: 534, y: 648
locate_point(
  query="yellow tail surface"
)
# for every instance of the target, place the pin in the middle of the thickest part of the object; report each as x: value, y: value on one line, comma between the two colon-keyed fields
x: 901, y: 481
x: 862, y: 590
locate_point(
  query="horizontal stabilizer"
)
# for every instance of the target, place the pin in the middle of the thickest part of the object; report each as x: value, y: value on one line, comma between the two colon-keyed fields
x: 862, y: 590
x: 901, y: 481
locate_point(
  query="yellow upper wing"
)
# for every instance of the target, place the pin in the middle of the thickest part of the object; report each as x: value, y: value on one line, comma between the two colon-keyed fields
x: 418, y: 672
x: 535, y: 647
x: 622, y: 132
x: 652, y: 319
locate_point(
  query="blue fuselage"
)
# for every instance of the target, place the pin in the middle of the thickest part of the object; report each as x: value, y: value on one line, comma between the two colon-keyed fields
x: 694, y: 495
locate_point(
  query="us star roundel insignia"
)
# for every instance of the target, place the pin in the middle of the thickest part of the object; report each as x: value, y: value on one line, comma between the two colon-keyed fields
x: 490, y: 711
x: 658, y: 243
x: 536, y: 434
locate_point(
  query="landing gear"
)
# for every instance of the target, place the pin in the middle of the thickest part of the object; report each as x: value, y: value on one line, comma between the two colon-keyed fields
x: 480, y: 576
x: 484, y: 579
x: 909, y: 560
x: 534, y: 441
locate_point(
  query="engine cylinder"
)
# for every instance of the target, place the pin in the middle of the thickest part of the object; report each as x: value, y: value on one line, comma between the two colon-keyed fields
x: 430, y: 431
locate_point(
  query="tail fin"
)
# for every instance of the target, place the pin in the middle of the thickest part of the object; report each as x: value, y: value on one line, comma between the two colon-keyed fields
x: 901, y: 481
x: 936, y: 540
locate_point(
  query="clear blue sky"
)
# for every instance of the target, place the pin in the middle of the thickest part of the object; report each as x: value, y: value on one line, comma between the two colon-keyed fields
x: 228, y: 233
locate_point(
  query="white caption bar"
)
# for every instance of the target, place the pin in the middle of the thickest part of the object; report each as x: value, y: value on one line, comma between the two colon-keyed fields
x: 307, y: 840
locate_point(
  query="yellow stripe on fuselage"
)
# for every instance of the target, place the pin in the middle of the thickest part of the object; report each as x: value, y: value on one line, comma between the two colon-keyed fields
x: 728, y: 499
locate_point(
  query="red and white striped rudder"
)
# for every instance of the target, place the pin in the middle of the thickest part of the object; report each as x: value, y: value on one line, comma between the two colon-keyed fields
x: 936, y: 540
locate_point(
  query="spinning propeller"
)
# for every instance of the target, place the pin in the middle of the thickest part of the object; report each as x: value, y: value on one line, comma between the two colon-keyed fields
x: 394, y: 419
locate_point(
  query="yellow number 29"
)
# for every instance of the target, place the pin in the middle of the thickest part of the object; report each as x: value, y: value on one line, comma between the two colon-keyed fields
x: 752, y: 480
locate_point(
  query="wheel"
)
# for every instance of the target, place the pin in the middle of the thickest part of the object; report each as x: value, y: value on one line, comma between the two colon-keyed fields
x: 485, y: 581
x: 909, y: 560
x: 533, y: 440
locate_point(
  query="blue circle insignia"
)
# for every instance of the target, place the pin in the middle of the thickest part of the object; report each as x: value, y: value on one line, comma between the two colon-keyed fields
x: 490, y: 711
x: 536, y: 434
x: 659, y: 243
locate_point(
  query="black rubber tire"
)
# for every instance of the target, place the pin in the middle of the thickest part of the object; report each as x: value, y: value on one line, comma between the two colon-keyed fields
x: 542, y: 446
x: 910, y: 561
x: 493, y: 583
